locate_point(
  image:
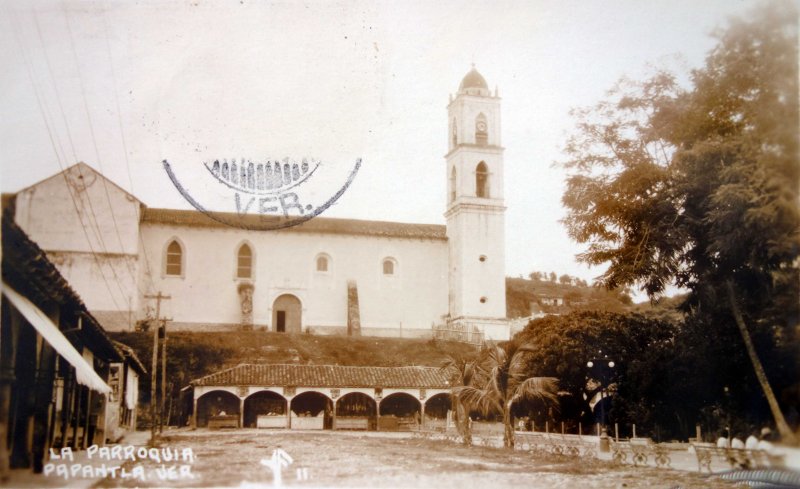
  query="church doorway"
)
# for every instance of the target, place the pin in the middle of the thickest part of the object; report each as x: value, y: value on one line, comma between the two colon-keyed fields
x: 287, y: 314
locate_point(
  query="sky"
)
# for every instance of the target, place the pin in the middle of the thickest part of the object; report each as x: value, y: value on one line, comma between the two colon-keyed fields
x: 123, y: 86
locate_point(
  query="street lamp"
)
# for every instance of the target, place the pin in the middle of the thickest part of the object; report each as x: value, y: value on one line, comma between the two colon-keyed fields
x: 601, y: 370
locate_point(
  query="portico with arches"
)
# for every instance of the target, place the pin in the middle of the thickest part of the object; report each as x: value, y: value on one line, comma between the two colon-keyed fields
x: 318, y: 397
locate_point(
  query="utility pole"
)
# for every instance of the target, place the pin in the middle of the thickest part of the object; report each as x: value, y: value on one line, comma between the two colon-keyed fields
x: 153, y: 375
x: 161, y: 420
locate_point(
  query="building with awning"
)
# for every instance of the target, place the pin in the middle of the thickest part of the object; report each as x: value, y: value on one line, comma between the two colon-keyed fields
x: 55, y: 360
x: 321, y: 397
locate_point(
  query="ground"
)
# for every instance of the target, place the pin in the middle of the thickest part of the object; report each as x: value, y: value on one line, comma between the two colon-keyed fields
x: 351, y: 459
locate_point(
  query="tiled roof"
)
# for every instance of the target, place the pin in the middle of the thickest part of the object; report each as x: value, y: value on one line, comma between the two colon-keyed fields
x: 323, y: 225
x: 130, y: 354
x: 25, y: 265
x: 327, y: 376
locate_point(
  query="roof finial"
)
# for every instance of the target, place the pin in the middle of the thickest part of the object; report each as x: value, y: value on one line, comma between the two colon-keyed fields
x: 473, y: 65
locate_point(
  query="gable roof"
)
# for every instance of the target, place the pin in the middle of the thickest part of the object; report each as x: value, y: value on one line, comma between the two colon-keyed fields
x: 81, y: 167
x: 282, y: 375
x: 322, y: 225
x: 26, y: 265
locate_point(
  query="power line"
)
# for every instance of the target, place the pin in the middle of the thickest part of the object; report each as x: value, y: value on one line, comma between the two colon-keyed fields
x: 96, y: 149
x: 42, y: 112
x: 122, y: 137
x: 92, y: 215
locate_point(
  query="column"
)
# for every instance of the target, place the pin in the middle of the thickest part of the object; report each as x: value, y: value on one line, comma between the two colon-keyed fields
x: 333, y: 424
x: 194, y: 412
x: 377, y: 413
x: 421, y: 415
x: 85, y: 442
x: 241, y: 413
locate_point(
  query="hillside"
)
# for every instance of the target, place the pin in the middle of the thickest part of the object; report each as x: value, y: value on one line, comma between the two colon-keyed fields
x: 193, y: 355
x: 523, y: 296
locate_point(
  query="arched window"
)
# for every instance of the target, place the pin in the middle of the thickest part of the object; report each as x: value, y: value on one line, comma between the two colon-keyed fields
x: 482, y: 180
x: 174, y: 259
x: 453, y: 185
x: 481, y: 130
x: 388, y: 266
x: 323, y: 262
x: 244, y: 262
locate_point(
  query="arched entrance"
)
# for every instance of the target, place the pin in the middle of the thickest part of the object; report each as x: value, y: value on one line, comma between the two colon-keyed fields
x: 311, y: 411
x: 216, y: 404
x: 400, y: 412
x: 287, y: 314
x: 436, y: 409
x: 355, y: 411
x: 265, y: 409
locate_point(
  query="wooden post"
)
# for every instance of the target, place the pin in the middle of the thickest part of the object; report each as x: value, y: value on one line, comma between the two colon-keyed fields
x: 86, y: 442
x: 580, y: 429
x: 194, y: 411
x: 76, y: 413
x: 547, y: 426
x: 616, y: 432
x: 43, y: 395
x: 161, y: 420
x: 153, y: 377
x: 9, y: 329
x: 634, y: 430
x: 562, y: 427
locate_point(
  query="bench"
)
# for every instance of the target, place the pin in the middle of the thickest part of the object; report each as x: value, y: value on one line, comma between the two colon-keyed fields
x: 556, y: 444
x: 351, y: 423
x: 640, y: 450
x: 736, y: 458
x: 227, y: 421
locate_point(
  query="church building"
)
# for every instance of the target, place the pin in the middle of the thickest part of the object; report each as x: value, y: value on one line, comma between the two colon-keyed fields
x: 323, y: 276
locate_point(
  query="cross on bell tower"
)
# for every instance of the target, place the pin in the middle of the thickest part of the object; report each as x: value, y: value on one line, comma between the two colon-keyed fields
x: 475, y: 210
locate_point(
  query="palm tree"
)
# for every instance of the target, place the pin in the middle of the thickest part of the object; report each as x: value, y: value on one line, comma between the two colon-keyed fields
x: 460, y: 372
x: 499, y: 380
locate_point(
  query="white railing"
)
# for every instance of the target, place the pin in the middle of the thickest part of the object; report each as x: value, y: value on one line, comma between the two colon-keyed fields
x: 460, y: 332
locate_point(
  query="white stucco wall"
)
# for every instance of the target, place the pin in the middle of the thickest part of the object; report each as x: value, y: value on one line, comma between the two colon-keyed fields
x: 206, y: 296
x: 89, y: 228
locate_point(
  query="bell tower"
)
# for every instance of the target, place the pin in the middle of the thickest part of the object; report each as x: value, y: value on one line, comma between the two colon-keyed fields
x: 475, y: 210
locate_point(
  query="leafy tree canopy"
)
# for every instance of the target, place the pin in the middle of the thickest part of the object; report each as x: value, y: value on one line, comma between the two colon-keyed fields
x: 698, y: 186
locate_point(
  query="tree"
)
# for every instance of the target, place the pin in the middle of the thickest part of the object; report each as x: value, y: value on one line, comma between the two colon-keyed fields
x: 535, y: 276
x: 500, y: 381
x: 553, y: 277
x: 698, y: 187
x: 460, y: 372
x: 565, y: 279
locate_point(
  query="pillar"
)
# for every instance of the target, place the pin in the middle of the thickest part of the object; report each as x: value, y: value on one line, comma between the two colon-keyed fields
x: 421, y: 414
x: 241, y: 413
x: 194, y: 412
x: 333, y: 423
x: 86, y: 442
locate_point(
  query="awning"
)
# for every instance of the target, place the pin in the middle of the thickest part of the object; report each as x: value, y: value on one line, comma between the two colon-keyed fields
x: 84, y: 372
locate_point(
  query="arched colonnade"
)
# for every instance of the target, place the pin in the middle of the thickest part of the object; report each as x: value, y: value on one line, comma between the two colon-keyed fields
x: 315, y: 408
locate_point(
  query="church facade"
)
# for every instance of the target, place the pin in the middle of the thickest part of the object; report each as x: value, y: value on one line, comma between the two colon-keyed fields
x: 323, y: 276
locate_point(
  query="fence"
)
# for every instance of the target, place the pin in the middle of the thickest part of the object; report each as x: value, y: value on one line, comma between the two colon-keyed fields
x: 460, y: 332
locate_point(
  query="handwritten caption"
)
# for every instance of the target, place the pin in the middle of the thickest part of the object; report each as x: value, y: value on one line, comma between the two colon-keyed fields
x: 171, y: 463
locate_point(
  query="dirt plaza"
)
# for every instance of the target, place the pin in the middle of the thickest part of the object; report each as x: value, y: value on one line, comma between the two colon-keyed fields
x: 352, y: 459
